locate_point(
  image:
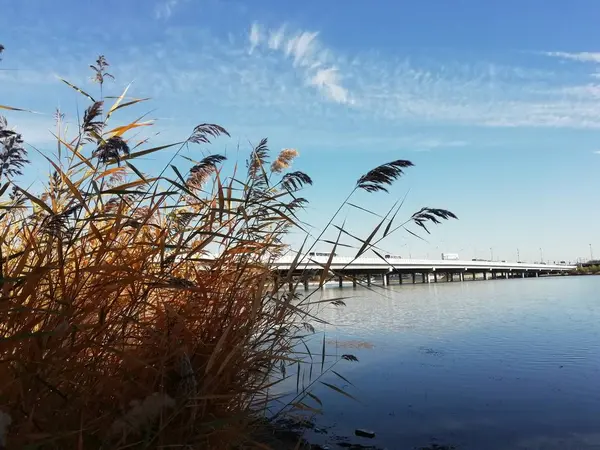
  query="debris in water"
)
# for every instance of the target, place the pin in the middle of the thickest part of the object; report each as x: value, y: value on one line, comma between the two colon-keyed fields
x: 365, y: 433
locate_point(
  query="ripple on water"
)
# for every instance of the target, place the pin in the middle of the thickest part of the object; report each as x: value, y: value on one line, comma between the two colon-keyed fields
x: 495, y: 365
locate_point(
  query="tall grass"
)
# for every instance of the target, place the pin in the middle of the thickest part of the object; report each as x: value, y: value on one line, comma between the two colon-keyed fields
x: 141, y: 310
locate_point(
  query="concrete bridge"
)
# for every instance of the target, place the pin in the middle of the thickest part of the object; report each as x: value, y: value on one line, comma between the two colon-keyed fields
x: 394, y: 269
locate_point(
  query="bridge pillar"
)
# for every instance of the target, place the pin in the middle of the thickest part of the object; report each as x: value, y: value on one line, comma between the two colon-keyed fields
x: 506, y: 275
x: 386, y: 279
x: 523, y: 275
x: 368, y: 279
x: 537, y: 274
x: 435, y: 277
x: 340, y: 281
x: 305, y: 282
x: 423, y: 277
x: 462, y: 276
x: 450, y: 276
x: 399, y: 278
x: 485, y: 276
x: 354, y: 281
x: 474, y: 276
x: 414, y: 277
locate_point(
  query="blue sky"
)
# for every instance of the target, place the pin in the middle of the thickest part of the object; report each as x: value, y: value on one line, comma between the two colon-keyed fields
x: 496, y: 103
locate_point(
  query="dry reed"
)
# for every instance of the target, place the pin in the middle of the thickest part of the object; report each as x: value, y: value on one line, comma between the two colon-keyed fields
x: 141, y: 310
x: 118, y: 329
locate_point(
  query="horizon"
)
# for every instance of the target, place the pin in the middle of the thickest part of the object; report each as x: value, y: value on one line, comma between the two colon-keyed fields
x: 496, y: 105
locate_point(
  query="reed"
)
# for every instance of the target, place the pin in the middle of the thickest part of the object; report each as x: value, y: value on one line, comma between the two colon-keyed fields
x: 141, y: 310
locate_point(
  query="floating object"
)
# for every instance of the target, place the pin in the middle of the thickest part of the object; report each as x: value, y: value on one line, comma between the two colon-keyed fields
x: 365, y: 433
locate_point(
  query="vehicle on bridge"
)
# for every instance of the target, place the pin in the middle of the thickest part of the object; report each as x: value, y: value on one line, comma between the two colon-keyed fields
x: 450, y: 256
x: 392, y: 257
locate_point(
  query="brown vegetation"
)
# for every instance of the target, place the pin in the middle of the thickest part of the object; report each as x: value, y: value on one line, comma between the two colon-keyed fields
x: 139, y: 310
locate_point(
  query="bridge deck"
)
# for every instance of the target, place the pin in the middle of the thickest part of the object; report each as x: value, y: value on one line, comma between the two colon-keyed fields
x: 415, y: 265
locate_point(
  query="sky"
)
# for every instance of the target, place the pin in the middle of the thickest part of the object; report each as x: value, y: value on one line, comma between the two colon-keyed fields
x: 496, y: 103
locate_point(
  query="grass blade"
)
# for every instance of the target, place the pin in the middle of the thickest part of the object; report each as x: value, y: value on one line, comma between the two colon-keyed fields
x: 338, y: 390
x: 78, y: 90
x: 323, y: 354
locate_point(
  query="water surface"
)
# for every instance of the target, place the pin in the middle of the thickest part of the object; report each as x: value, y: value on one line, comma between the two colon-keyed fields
x: 503, y: 364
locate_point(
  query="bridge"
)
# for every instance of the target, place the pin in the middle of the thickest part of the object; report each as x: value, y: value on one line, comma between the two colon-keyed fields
x: 394, y: 269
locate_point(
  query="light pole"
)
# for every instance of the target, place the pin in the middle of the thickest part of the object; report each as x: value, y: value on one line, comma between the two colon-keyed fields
x: 541, y: 255
x: 591, y: 253
x: 491, y: 254
x: 518, y: 256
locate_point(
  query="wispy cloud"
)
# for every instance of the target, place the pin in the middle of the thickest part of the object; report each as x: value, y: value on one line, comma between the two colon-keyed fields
x: 597, y: 152
x: 433, y: 144
x: 399, y: 90
x: 328, y: 81
x: 584, y: 90
x: 593, y: 57
x: 165, y: 8
x: 306, y: 54
x: 255, y: 36
x: 278, y: 75
x: 276, y: 38
x: 302, y: 48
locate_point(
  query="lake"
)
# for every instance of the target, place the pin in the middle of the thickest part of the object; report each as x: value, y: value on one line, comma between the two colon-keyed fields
x: 483, y: 365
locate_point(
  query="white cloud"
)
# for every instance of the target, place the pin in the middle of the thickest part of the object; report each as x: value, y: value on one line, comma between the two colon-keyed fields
x: 309, y: 57
x: 584, y: 90
x: 579, y: 56
x: 302, y: 48
x: 432, y: 144
x: 255, y: 36
x: 276, y: 38
x: 597, y: 152
x: 328, y: 81
x: 164, y: 10
x: 294, y: 76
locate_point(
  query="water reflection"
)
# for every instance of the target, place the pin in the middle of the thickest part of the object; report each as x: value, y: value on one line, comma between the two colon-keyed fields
x: 506, y: 364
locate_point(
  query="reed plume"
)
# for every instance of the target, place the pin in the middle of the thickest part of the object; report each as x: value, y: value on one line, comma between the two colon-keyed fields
x: 284, y: 160
x: 201, y: 172
x: 13, y: 155
x: 376, y: 179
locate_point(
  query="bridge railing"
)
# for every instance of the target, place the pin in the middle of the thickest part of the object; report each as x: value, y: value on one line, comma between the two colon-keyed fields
x: 430, y: 264
x: 407, y: 263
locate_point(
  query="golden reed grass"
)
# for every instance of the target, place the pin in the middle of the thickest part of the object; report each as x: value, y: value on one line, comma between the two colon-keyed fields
x: 118, y: 328
x: 141, y: 310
